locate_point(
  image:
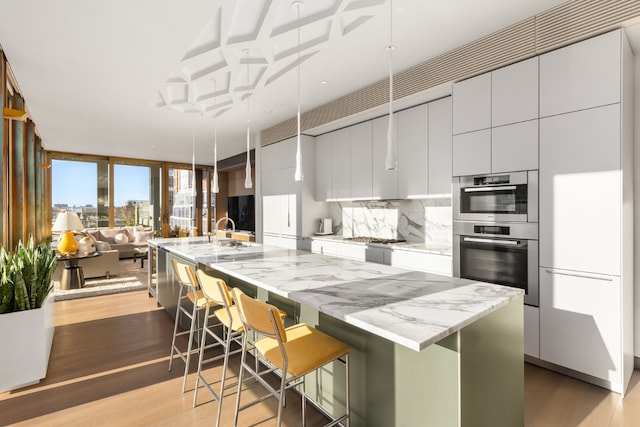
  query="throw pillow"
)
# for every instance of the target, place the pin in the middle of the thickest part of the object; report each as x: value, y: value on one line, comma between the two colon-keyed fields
x: 142, y: 236
x: 102, y: 246
x: 121, y: 238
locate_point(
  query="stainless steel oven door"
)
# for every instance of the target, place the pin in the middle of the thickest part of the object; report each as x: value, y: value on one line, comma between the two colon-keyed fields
x: 509, y: 197
x: 508, y: 261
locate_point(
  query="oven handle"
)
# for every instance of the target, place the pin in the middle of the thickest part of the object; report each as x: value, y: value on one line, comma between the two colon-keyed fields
x: 582, y: 276
x: 492, y: 241
x: 479, y: 189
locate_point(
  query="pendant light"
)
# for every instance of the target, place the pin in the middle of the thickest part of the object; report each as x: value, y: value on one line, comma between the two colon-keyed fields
x: 391, y: 158
x: 215, y: 188
x: 247, y: 170
x: 193, y: 161
x: 299, y: 175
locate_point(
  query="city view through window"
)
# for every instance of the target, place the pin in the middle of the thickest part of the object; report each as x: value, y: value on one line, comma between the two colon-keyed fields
x: 82, y: 187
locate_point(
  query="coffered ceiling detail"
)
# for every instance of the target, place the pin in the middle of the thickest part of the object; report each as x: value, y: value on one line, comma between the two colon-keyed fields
x: 249, y: 44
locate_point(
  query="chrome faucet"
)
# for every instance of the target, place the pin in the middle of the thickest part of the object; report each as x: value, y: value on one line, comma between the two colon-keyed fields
x: 233, y: 224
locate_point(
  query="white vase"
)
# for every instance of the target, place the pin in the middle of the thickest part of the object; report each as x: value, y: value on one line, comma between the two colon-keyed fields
x: 26, y: 338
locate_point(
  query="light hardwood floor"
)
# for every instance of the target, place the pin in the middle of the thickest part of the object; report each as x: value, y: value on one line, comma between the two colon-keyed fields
x: 109, y: 368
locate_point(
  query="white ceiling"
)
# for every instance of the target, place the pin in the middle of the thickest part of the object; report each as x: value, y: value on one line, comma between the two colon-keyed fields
x: 118, y: 77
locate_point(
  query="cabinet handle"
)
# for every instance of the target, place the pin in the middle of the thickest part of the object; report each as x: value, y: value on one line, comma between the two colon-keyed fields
x: 491, y: 241
x: 583, y: 276
x: 493, y: 188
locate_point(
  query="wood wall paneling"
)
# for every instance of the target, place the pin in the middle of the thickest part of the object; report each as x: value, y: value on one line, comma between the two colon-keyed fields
x: 4, y: 166
x: 29, y: 225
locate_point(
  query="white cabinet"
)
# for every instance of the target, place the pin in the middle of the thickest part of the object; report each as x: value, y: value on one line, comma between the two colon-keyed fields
x: 580, y: 322
x: 532, y: 331
x: 412, y: 152
x: 472, y: 104
x: 583, y: 75
x: 341, y: 163
x: 323, y: 190
x: 439, y: 156
x: 586, y: 214
x: 514, y: 147
x: 506, y: 138
x: 422, y: 261
x: 514, y: 93
x: 289, y: 209
x: 472, y: 153
x: 385, y: 183
x: 361, y: 161
x: 340, y: 249
x: 580, y: 194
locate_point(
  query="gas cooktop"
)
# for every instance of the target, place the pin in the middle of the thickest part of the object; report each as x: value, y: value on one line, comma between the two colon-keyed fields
x: 374, y: 240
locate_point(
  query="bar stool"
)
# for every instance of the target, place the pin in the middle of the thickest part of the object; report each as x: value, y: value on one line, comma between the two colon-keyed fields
x: 228, y: 321
x: 188, y: 291
x: 295, y: 351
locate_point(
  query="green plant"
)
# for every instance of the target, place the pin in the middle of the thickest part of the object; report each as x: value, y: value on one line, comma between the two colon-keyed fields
x: 25, y: 276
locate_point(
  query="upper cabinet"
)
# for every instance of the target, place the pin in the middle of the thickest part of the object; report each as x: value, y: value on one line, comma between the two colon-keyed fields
x: 323, y: 190
x: 413, y: 172
x: 505, y: 139
x: 580, y: 76
x: 350, y: 162
x: 385, y: 183
x: 514, y: 93
x: 341, y: 163
x: 439, y: 161
x: 361, y: 161
x: 472, y: 104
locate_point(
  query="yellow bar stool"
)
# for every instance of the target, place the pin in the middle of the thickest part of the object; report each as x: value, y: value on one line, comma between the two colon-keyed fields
x: 227, y: 321
x: 188, y: 291
x: 295, y: 351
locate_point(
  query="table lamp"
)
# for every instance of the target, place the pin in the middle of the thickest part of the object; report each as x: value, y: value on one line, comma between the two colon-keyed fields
x: 65, y: 222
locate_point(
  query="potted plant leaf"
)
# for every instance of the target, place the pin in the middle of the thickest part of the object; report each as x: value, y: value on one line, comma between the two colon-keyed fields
x: 26, y: 313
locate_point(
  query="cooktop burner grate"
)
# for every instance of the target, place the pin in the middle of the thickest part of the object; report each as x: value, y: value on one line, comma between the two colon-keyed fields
x: 375, y: 240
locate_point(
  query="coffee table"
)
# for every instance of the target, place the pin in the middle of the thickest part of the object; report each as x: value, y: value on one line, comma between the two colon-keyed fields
x: 141, y: 253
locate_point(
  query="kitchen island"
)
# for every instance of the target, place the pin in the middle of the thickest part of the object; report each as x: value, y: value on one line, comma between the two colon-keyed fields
x: 428, y: 350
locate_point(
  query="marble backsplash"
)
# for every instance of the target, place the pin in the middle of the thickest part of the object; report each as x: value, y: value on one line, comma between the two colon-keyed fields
x: 427, y: 221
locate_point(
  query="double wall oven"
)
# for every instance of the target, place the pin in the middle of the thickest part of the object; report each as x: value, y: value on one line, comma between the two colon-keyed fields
x: 495, y: 230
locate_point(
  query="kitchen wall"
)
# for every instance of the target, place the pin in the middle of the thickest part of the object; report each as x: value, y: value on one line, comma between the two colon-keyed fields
x: 425, y: 221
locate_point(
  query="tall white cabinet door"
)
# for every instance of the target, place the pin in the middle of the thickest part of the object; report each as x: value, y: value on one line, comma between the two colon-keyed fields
x: 412, y: 152
x: 270, y: 158
x: 583, y: 75
x: 341, y: 163
x: 472, y: 153
x: 472, y: 104
x: 580, y: 191
x: 385, y: 183
x: 580, y: 322
x: 514, y: 93
x: 440, y: 146
x: 515, y: 147
x: 323, y: 167
x: 361, y: 159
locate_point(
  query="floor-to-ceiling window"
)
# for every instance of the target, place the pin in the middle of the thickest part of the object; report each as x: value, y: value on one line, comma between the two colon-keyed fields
x: 132, y: 196
x: 74, y: 188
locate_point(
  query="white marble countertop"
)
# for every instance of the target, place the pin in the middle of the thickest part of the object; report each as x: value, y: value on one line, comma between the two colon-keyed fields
x: 410, y: 308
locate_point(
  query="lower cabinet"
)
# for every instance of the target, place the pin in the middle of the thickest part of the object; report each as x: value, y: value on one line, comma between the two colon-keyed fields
x: 580, y: 323
x: 422, y: 261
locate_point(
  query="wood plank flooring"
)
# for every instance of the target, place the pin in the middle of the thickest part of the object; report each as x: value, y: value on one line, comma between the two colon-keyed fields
x: 109, y: 365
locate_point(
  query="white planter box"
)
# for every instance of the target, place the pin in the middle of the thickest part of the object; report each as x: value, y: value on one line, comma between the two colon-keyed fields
x: 26, y: 337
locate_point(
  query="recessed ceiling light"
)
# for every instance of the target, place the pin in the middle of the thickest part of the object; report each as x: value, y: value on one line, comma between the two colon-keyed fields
x: 267, y: 111
x: 323, y: 82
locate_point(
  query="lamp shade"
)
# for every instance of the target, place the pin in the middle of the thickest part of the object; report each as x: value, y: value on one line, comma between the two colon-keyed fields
x: 66, y: 221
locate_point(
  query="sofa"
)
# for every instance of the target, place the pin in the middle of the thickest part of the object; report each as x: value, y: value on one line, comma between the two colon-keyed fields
x: 124, y: 239
x: 105, y: 265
